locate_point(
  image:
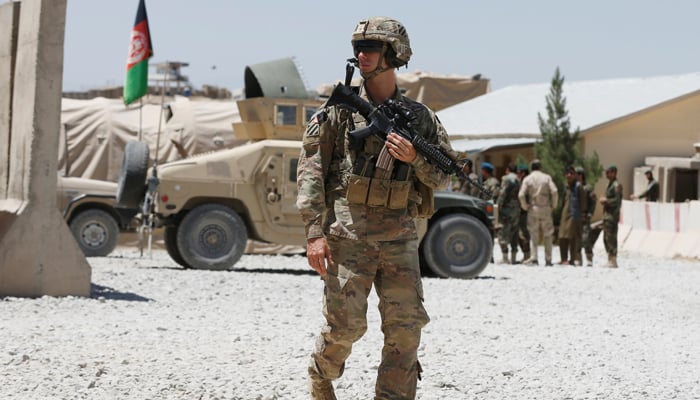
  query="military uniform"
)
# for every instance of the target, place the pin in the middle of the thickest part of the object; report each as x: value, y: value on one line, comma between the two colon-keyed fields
x: 571, y: 223
x: 509, y: 216
x: 523, y: 232
x: 373, y: 241
x: 586, y: 234
x: 537, y: 195
x: 612, y: 203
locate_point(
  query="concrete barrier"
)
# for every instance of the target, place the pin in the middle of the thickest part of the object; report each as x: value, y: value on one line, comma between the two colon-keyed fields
x: 660, y: 229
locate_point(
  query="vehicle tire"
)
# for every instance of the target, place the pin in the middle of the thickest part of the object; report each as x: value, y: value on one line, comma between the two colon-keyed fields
x: 131, y: 186
x: 212, y: 237
x: 96, y: 232
x: 457, y: 246
x: 170, y: 239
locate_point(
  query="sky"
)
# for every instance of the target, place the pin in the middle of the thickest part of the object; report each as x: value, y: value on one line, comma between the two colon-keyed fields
x: 509, y: 42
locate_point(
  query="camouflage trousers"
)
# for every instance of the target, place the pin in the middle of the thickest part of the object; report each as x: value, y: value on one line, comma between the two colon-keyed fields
x: 508, y: 234
x: 394, y: 270
x: 523, y: 233
x: 540, y: 220
x: 610, y: 234
x: 587, y: 238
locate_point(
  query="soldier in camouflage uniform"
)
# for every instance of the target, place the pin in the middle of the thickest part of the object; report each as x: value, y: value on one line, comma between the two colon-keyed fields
x: 571, y: 219
x: 591, y: 200
x: 358, y: 233
x: 523, y: 232
x: 489, y: 182
x: 537, y: 196
x: 509, y: 214
x: 612, y: 202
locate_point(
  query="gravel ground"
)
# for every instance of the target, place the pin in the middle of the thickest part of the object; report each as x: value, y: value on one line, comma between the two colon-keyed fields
x: 152, y: 330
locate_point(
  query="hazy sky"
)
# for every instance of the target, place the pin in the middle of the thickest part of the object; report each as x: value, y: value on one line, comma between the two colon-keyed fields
x: 509, y: 42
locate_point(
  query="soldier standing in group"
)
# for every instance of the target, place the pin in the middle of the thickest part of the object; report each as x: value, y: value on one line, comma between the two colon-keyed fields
x: 571, y: 219
x: 509, y: 214
x: 538, y: 194
x: 591, y: 200
x: 489, y: 182
x: 612, y: 202
x: 652, y: 191
x: 464, y: 186
x: 358, y: 233
x: 523, y: 232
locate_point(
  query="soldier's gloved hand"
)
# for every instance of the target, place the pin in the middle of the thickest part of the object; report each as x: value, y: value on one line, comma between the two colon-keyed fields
x: 317, y: 254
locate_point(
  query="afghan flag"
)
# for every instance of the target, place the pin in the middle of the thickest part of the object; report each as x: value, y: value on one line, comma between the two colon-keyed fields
x: 140, y: 50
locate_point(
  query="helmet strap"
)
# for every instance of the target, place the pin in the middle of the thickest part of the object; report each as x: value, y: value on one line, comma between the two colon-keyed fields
x: 379, y: 69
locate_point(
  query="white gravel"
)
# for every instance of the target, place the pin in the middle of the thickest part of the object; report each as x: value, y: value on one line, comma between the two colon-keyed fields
x: 153, y: 330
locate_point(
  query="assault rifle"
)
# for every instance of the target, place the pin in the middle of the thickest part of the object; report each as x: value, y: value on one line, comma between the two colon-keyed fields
x: 392, y: 116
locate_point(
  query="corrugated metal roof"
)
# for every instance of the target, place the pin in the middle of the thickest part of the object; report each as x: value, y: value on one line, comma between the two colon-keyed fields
x: 512, y: 111
x: 472, y: 146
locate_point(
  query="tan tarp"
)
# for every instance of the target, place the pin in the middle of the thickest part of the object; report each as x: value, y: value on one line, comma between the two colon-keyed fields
x: 435, y: 91
x: 94, y: 132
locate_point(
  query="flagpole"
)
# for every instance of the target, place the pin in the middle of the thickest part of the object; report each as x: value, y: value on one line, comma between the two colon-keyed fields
x: 140, y: 118
x: 160, y: 118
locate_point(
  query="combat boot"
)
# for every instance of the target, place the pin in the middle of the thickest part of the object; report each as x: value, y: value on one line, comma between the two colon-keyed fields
x: 504, y: 258
x: 513, y: 258
x: 612, y: 262
x: 526, y: 257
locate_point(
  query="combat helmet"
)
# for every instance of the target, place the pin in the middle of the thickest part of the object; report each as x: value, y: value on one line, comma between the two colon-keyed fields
x: 389, y: 31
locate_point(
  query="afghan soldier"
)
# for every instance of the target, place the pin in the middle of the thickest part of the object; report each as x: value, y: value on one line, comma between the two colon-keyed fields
x: 591, y: 201
x: 359, y: 234
x: 509, y: 214
x: 537, y: 195
x: 489, y: 182
x: 523, y: 232
x: 651, y: 193
x: 612, y: 203
x: 571, y: 219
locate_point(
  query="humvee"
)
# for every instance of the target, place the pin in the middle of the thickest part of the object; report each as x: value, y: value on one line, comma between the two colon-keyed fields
x: 210, y: 204
x: 89, y: 207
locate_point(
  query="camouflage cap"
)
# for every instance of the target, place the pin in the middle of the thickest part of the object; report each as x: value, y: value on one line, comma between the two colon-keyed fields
x: 580, y: 170
x: 612, y: 168
x: 386, y: 30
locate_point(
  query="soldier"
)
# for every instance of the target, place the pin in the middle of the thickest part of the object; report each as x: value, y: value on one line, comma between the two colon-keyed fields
x: 571, y: 219
x: 523, y: 233
x: 591, y: 200
x: 612, y: 202
x: 537, y: 196
x: 509, y: 214
x: 489, y: 182
x: 652, y: 191
x: 464, y: 186
x: 358, y: 233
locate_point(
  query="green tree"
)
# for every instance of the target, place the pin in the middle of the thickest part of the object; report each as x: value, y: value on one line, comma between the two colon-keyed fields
x: 560, y: 146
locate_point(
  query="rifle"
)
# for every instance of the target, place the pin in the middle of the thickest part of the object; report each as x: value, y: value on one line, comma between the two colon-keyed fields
x: 392, y: 116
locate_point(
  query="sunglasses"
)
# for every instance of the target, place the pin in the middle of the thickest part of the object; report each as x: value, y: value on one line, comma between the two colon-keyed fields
x: 367, y: 46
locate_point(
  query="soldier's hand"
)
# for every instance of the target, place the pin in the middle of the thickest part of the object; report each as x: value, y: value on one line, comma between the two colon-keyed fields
x: 603, y: 200
x: 400, y: 148
x: 317, y: 254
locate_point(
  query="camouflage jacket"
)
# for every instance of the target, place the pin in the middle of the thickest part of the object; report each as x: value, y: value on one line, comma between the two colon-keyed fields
x: 508, y: 203
x: 491, y: 184
x: 613, y: 201
x: 326, y: 162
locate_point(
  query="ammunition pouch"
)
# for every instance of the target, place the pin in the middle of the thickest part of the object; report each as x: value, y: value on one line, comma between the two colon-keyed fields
x: 366, y: 189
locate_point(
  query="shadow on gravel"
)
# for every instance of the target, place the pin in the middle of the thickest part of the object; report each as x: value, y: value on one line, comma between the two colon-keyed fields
x: 99, y: 291
x: 275, y: 271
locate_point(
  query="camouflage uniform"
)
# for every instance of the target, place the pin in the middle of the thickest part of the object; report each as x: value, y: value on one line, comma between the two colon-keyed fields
x: 369, y: 245
x: 586, y: 234
x: 491, y: 184
x: 611, y: 216
x: 508, y: 216
x: 537, y: 195
x: 523, y: 232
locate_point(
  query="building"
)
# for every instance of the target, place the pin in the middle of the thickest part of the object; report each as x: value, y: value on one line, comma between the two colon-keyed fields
x: 623, y: 120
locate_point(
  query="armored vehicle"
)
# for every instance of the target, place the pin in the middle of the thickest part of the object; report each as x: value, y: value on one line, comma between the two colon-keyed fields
x: 89, y: 206
x: 211, y: 203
